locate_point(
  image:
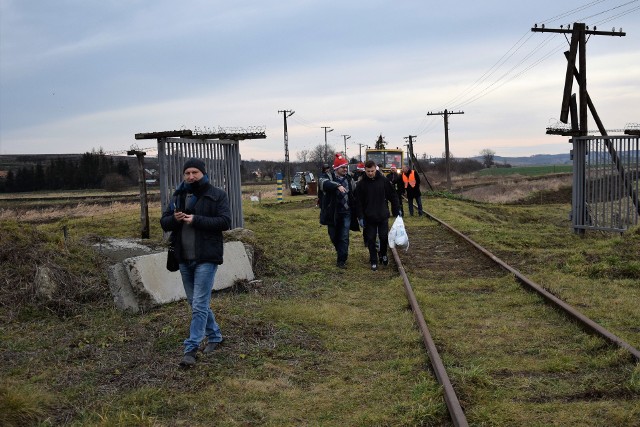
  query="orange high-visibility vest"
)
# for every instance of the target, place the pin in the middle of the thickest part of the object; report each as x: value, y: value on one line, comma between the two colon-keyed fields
x: 409, y: 180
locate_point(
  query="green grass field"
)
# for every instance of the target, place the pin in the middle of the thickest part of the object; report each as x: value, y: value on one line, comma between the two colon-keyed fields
x: 526, y: 170
x: 308, y: 345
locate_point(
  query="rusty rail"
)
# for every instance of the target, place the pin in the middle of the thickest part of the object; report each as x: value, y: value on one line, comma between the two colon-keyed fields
x: 546, y: 295
x: 451, y: 399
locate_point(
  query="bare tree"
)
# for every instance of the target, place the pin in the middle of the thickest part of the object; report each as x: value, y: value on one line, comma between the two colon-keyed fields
x: 303, y: 156
x: 319, y: 156
x: 487, y: 157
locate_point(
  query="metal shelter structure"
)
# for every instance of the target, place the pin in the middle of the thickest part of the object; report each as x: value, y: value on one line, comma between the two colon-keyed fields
x: 606, y: 182
x: 219, y: 151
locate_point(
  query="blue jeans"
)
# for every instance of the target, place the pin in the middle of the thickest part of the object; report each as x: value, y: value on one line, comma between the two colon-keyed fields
x: 339, y: 235
x: 197, y: 279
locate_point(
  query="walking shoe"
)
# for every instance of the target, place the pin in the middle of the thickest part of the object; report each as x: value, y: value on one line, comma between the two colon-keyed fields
x: 384, y: 259
x: 374, y: 266
x: 210, y: 348
x: 189, y: 359
x: 341, y: 264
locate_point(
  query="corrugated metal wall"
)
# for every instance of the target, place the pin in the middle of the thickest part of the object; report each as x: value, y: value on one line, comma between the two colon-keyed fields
x: 222, y: 159
x: 606, y: 183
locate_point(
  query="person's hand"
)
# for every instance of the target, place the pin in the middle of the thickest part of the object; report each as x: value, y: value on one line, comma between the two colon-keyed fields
x: 361, y: 222
x: 342, y: 189
x: 179, y: 215
x: 188, y: 219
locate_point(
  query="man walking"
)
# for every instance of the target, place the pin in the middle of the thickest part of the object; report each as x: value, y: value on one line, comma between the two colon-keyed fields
x: 339, y: 210
x: 374, y: 193
x: 197, y: 216
x: 395, y: 179
x: 412, y: 186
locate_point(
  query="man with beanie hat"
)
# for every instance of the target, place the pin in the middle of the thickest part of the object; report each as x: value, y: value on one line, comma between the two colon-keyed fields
x: 374, y: 193
x: 196, y: 217
x: 338, y: 210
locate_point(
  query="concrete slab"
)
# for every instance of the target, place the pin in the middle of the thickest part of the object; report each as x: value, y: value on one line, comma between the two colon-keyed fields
x: 141, y: 282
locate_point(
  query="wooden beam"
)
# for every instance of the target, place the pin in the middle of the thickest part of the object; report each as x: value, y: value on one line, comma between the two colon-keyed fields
x: 164, y: 134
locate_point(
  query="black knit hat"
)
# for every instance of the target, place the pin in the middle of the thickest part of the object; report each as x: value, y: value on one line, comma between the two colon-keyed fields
x: 195, y: 163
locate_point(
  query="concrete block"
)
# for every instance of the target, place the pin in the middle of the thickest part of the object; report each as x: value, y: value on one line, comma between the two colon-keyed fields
x: 141, y: 282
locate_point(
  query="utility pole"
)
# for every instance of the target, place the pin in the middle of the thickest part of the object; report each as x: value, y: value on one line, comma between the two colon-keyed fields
x: 345, y: 145
x: 360, y: 149
x: 446, y: 115
x: 287, y: 174
x: 327, y: 129
x: 578, y: 46
x: 410, y: 149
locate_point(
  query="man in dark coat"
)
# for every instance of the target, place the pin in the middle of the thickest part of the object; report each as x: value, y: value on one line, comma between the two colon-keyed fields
x: 338, y: 210
x: 374, y: 193
x: 197, y: 216
x: 395, y: 178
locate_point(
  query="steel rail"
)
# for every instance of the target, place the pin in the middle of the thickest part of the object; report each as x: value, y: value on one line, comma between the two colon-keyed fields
x: 549, y: 297
x: 451, y: 399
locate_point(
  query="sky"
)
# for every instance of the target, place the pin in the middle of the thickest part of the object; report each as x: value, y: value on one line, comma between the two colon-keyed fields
x: 83, y: 75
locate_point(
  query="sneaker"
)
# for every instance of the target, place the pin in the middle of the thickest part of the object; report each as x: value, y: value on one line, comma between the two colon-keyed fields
x: 341, y: 264
x: 188, y: 360
x: 374, y: 266
x: 212, y: 346
x: 384, y: 259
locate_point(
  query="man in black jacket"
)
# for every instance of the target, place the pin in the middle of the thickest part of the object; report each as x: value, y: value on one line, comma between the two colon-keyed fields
x: 338, y: 210
x: 197, y: 216
x: 373, y: 193
x: 395, y: 178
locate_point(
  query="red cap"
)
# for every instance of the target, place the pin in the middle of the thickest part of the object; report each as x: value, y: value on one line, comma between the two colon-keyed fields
x: 339, y: 161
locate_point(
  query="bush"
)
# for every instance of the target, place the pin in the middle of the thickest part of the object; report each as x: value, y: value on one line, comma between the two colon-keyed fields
x: 114, y: 182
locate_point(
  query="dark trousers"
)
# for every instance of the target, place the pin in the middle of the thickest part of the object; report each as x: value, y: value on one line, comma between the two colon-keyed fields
x: 418, y: 200
x: 339, y: 235
x: 381, y: 230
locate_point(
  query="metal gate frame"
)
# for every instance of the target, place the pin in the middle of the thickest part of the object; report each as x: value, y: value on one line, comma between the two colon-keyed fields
x: 606, y: 183
x: 222, y: 159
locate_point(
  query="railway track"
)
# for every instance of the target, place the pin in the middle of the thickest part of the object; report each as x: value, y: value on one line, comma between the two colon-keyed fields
x: 496, y: 348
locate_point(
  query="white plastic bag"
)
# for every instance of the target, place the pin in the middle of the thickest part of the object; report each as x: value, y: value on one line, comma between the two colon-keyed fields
x: 398, y: 235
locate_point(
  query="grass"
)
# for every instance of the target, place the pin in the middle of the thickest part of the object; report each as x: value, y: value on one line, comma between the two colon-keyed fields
x: 526, y: 170
x: 310, y: 344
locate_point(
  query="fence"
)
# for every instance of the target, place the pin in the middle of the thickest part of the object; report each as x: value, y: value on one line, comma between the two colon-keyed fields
x: 606, y: 183
x: 222, y: 159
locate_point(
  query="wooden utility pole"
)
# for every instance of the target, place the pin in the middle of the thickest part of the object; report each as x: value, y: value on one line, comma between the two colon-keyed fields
x: 144, y: 207
x: 287, y: 173
x: 446, y: 115
x: 577, y: 48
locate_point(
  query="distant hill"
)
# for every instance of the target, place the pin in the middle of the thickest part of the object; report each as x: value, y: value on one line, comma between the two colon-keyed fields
x: 534, y: 160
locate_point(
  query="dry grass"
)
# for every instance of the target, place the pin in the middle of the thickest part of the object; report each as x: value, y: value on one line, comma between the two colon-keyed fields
x: 510, y: 190
x: 51, y: 213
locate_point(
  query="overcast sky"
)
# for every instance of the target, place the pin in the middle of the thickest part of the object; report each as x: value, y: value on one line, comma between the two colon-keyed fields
x: 77, y: 75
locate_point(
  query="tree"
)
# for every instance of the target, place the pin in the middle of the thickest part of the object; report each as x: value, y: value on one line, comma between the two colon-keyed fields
x: 319, y: 156
x: 380, y: 143
x: 487, y: 157
x: 303, y: 156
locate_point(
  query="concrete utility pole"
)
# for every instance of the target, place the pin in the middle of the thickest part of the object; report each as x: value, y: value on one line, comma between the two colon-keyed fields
x: 287, y: 173
x: 360, y: 149
x: 327, y: 129
x: 446, y: 114
x: 345, y: 145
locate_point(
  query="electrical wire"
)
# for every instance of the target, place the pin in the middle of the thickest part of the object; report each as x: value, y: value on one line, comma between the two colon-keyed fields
x: 523, y: 65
